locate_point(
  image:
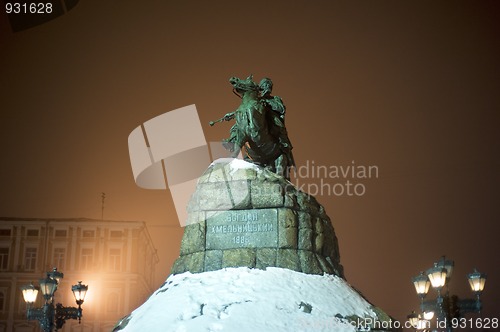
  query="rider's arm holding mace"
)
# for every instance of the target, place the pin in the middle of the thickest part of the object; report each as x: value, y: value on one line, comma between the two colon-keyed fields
x: 227, y: 117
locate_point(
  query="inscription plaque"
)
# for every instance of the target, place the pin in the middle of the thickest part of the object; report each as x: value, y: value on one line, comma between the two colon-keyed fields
x: 243, y: 229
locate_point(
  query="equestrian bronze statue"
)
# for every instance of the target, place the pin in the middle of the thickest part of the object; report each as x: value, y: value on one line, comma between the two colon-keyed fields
x: 259, y: 131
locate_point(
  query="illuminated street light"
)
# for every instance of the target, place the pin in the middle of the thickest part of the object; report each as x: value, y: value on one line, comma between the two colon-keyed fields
x: 477, y: 281
x: 437, y: 276
x: 30, y: 293
x: 413, y: 319
x: 79, y: 291
x: 422, y: 284
x: 444, y: 308
x: 52, y: 316
x: 422, y: 324
x: 428, y: 315
x: 48, y: 287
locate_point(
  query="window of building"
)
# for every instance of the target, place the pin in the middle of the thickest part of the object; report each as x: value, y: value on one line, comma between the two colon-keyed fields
x: 59, y: 258
x: 32, y: 232
x: 86, y: 259
x: 60, y: 233
x: 4, y: 258
x: 5, y: 232
x: 88, y: 234
x: 114, y: 259
x: 2, y: 301
x: 30, y: 259
x: 115, y: 234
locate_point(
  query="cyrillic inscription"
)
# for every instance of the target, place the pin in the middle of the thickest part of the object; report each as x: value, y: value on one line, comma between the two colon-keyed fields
x: 243, y: 229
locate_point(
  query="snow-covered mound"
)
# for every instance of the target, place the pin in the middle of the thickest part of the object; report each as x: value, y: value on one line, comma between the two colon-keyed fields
x: 243, y: 299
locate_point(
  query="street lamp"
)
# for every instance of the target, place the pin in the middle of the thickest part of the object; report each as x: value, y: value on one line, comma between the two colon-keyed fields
x: 422, y: 284
x: 437, y: 277
x: 422, y: 324
x: 413, y: 319
x: 30, y: 293
x: 476, y: 282
x: 79, y: 291
x: 446, y: 307
x: 428, y: 315
x: 52, y: 316
x: 417, y: 321
x: 48, y: 287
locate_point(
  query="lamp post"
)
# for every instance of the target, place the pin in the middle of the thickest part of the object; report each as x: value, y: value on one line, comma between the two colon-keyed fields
x: 476, y: 282
x: 437, y: 277
x: 52, y: 317
x: 445, y: 307
x: 422, y: 284
x: 413, y: 319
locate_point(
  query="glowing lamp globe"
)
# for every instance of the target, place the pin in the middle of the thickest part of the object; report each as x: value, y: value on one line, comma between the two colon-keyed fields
x: 437, y: 276
x: 413, y: 319
x: 477, y: 281
x: 422, y: 324
x: 428, y: 315
x: 48, y: 286
x: 30, y: 293
x: 422, y: 284
x: 79, y: 291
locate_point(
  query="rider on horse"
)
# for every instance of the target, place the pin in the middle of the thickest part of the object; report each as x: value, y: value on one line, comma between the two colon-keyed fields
x: 260, y: 126
x: 277, y: 111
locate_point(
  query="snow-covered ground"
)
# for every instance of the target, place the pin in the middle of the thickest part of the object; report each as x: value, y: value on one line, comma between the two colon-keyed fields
x: 243, y: 299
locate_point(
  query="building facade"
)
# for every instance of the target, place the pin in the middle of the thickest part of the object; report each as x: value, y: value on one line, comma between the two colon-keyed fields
x: 116, y: 259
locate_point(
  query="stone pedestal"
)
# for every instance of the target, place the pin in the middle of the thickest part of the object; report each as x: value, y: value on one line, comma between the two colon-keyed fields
x: 242, y: 215
x: 247, y: 233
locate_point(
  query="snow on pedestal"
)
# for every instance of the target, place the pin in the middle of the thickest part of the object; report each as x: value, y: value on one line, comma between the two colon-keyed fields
x: 285, y: 276
x: 243, y: 299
